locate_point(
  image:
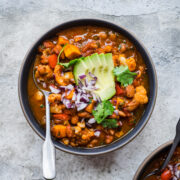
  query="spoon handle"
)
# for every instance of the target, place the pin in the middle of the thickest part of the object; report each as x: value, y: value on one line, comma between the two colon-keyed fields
x: 48, y: 158
x: 173, y: 147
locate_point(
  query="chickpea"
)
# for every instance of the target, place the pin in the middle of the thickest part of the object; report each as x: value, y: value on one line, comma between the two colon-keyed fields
x: 109, y: 139
x: 54, y: 97
x: 39, y: 96
x: 93, y: 143
x: 77, y: 129
x: 81, y: 124
x: 84, y: 137
x: 119, y: 134
x: 84, y: 115
x: 123, y: 48
x: 74, y: 119
x: 122, y: 114
x: 55, y: 108
x: 102, y: 35
x: 108, y: 48
x: 77, y: 38
x: 65, y: 141
x: 112, y: 36
x: 111, y: 132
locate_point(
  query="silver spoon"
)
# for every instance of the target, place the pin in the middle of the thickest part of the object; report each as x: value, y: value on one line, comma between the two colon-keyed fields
x: 171, y: 152
x: 48, y: 150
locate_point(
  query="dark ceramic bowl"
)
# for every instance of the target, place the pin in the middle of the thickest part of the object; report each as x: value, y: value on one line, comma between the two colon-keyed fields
x: 30, y: 57
x: 155, y: 154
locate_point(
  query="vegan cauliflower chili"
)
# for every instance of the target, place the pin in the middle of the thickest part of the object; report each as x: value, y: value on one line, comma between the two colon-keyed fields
x: 172, y: 171
x: 98, y: 83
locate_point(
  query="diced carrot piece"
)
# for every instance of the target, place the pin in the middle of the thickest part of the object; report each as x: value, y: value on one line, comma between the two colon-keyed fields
x: 52, y: 60
x: 64, y: 117
x: 71, y: 51
x: 48, y: 44
x: 90, y: 107
x: 70, y: 95
x: 62, y: 40
x: 119, y: 90
x: 59, y: 131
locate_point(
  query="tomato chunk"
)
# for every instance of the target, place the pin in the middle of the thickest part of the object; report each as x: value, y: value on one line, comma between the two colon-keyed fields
x: 119, y: 90
x: 166, y: 175
x: 52, y: 59
x: 64, y: 117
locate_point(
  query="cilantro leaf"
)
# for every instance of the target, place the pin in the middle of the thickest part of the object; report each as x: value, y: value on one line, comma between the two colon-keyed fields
x: 72, y: 62
x: 124, y: 76
x: 119, y: 47
x: 110, y: 123
x: 42, y: 106
x: 60, y: 53
x: 103, y: 110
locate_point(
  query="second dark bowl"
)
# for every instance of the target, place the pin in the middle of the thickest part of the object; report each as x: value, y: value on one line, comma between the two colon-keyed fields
x: 164, y: 148
x: 30, y: 57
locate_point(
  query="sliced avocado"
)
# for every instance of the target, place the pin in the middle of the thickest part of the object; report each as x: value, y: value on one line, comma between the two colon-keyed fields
x: 102, y: 67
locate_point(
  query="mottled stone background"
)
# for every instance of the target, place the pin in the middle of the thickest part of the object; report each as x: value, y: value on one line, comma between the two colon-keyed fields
x: 155, y: 22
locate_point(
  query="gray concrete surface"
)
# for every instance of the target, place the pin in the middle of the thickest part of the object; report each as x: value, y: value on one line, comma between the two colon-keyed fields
x: 155, y: 22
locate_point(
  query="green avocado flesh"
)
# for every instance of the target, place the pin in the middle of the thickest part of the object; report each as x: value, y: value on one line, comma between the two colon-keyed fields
x: 102, y: 67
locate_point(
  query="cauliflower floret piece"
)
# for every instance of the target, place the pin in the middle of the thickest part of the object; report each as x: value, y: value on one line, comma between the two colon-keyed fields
x: 131, y: 63
x: 141, y: 95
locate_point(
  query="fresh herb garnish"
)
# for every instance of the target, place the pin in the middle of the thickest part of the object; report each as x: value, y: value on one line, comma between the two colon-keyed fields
x: 102, y: 111
x: 59, y: 55
x: 42, y: 106
x: 110, y: 123
x: 119, y: 47
x: 124, y: 76
x: 72, y: 62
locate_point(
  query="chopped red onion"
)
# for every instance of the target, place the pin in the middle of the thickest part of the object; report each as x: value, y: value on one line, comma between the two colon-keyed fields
x: 44, y: 85
x: 91, y: 121
x: 82, y: 76
x: 81, y: 106
x: 116, y: 112
x: 88, y: 125
x: 176, y: 170
x: 54, y: 90
x: 83, y: 93
x: 38, y: 80
x: 120, y: 123
x: 93, y: 76
x: 97, y: 133
x: 68, y: 103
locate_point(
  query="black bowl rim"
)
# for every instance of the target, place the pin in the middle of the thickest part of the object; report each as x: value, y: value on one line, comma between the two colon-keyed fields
x: 110, y: 147
x: 150, y: 157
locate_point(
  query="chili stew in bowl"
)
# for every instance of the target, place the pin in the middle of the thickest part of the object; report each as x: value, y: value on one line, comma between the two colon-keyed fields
x: 98, y: 83
x: 172, y: 172
x: 100, y: 90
